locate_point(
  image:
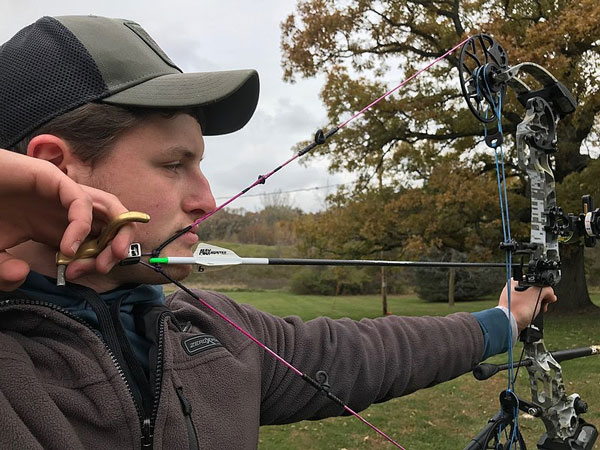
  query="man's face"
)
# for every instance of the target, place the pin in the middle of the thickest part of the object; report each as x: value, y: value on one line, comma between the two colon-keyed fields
x: 155, y: 168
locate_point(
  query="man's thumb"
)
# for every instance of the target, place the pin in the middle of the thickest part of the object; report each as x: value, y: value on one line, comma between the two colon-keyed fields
x: 13, y: 272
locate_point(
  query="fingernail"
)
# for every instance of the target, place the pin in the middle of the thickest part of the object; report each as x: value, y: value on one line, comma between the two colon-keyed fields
x: 75, y: 246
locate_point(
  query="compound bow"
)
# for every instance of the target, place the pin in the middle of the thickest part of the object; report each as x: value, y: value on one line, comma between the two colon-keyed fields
x: 484, y: 77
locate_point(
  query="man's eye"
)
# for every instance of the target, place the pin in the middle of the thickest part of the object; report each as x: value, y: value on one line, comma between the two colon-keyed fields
x: 173, y: 167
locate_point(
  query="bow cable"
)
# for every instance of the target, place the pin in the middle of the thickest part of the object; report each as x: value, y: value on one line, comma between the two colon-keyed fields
x: 495, y: 102
x: 320, y: 138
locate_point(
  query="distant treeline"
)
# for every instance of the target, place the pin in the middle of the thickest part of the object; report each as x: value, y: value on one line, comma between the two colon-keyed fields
x: 274, y: 225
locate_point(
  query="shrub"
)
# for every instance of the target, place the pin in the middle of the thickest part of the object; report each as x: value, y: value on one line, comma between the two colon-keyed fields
x: 431, y: 284
x: 313, y: 280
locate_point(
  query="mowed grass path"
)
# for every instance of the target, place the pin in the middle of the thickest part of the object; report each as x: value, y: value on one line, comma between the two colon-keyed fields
x: 446, y: 416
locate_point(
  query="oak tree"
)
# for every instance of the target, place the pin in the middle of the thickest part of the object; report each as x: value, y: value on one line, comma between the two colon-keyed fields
x: 363, y: 47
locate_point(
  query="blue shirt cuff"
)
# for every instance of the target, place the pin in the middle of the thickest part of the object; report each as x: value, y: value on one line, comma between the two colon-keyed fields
x: 494, y: 326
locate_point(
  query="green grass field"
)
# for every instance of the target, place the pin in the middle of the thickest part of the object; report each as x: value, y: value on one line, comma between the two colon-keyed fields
x: 446, y: 416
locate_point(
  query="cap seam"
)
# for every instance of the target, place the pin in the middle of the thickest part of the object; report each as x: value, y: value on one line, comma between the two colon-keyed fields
x: 135, y: 82
x: 215, y: 100
x: 169, y: 63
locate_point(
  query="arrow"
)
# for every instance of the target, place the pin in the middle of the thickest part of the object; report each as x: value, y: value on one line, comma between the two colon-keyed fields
x: 211, y: 257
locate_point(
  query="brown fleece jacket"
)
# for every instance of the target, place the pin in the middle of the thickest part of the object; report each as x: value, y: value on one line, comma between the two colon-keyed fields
x: 61, y: 389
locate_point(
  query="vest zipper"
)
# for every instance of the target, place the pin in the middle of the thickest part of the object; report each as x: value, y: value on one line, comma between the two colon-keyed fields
x: 146, y: 423
x: 147, y: 435
x: 148, y: 430
x: 186, y: 406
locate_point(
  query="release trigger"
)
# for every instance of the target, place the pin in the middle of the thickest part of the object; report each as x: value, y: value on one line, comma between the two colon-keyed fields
x: 93, y: 247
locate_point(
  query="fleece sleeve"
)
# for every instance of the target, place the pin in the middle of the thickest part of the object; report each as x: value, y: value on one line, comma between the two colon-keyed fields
x: 366, y: 361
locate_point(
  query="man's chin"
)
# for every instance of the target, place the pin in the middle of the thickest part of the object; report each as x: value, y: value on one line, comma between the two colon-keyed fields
x: 177, y: 272
x: 139, y: 274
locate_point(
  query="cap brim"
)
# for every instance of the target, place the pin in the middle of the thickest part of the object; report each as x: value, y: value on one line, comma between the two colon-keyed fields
x: 227, y: 99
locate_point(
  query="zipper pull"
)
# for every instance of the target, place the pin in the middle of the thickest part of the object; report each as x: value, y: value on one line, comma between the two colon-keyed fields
x: 146, y: 434
x: 185, y: 404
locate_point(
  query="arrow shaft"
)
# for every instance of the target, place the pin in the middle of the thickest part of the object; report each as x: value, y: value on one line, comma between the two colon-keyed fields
x: 377, y: 263
x: 225, y: 261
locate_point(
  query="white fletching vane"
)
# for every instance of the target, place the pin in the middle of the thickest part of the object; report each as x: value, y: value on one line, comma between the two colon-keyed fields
x: 212, y: 257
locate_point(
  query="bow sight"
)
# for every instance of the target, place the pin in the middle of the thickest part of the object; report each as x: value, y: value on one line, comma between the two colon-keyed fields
x: 586, y: 224
x: 484, y: 78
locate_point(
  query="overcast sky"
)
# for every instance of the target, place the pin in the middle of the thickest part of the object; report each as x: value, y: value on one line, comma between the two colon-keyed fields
x: 207, y: 35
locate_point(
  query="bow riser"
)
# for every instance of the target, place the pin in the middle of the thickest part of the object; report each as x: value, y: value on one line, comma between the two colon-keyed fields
x: 536, y: 140
x: 548, y: 392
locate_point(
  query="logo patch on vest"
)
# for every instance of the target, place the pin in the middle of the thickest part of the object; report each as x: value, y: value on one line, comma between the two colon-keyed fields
x: 196, y: 344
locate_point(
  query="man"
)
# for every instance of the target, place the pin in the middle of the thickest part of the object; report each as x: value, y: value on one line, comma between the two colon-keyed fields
x: 107, y: 361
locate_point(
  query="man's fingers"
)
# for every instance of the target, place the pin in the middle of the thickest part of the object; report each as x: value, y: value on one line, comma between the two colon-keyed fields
x: 114, y: 252
x: 548, y: 296
x: 106, y: 260
x: 79, y: 205
x: 74, y: 235
x: 80, y: 267
x: 12, y: 272
x: 106, y: 205
x: 121, y: 242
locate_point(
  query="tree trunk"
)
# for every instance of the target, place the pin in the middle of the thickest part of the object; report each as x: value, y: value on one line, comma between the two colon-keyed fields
x: 451, y: 279
x: 571, y: 134
x: 384, y: 303
x: 572, y: 289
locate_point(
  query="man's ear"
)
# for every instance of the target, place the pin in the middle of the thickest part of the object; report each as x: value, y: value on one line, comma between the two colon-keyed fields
x: 57, y: 151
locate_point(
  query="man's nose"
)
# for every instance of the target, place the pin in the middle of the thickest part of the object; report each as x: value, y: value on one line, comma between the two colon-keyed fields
x: 199, y: 199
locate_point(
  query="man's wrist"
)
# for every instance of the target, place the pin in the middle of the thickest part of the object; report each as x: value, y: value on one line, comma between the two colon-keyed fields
x: 494, y: 324
x: 513, y: 324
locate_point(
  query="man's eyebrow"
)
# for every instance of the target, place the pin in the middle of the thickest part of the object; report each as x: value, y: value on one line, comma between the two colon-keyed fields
x: 182, y: 152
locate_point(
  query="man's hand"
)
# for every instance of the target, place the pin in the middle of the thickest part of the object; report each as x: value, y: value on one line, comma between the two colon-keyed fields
x: 522, y: 303
x: 39, y: 202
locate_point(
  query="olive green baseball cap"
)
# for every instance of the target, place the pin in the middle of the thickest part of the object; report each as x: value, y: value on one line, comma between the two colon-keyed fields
x: 60, y: 63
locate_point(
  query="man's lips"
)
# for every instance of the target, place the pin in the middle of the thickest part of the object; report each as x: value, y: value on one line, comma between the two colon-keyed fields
x: 193, y: 230
x: 189, y: 237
